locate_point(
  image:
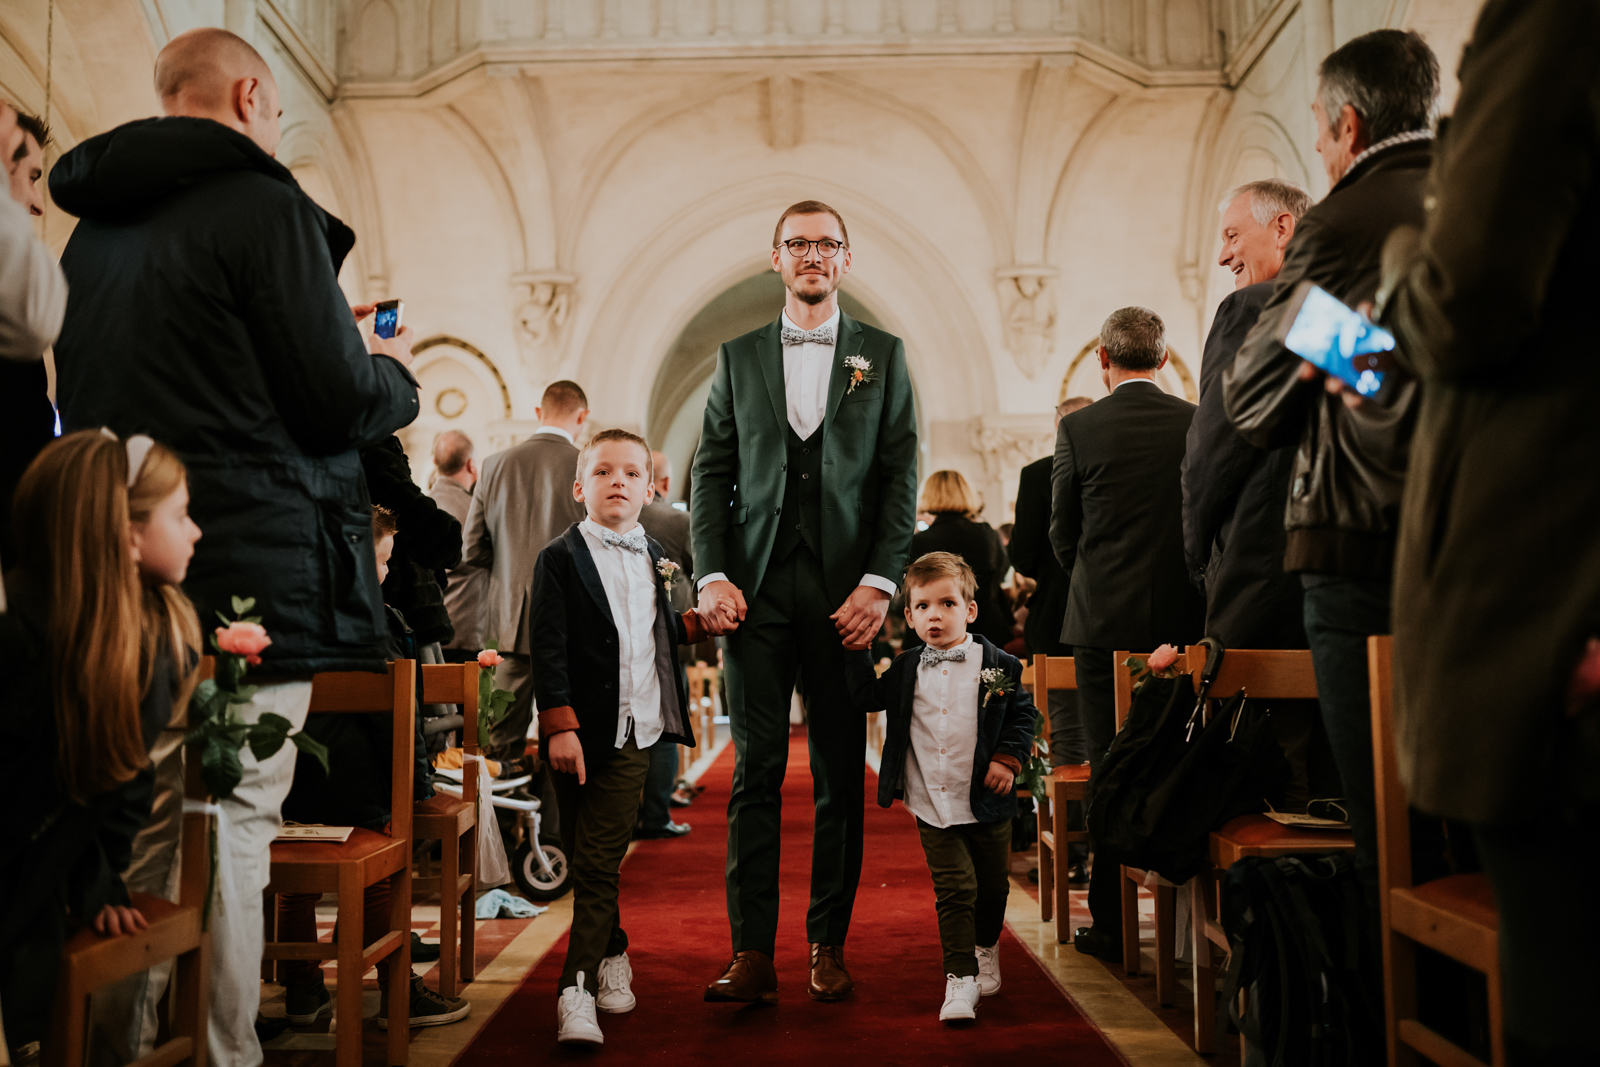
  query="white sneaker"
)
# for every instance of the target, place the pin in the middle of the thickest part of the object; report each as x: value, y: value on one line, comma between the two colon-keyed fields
x: 988, y: 969
x: 960, y: 999
x: 616, y: 985
x: 575, y: 1019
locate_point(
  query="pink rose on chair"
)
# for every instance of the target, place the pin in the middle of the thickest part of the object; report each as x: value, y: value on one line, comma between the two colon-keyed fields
x: 489, y: 658
x: 245, y: 639
x: 1162, y: 658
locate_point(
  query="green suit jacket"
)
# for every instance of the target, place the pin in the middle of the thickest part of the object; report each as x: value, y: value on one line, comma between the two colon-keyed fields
x: 869, y: 461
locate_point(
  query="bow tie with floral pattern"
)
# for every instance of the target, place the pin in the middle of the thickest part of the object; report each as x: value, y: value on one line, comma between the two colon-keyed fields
x: 634, y: 542
x: 932, y: 656
x: 822, y: 335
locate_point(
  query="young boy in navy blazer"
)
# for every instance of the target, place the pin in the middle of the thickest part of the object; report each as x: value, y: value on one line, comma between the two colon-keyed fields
x: 959, y: 727
x: 604, y: 640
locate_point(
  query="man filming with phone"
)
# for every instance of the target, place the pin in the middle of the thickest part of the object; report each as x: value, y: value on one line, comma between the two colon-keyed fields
x: 1375, y: 106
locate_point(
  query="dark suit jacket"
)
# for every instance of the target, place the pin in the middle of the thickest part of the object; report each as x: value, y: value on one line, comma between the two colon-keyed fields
x: 1116, y: 521
x: 1033, y: 557
x: 979, y: 544
x: 869, y: 464
x: 1233, y: 499
x: 575, y: 651
x: 670, y: 527
x: 1005, y: 724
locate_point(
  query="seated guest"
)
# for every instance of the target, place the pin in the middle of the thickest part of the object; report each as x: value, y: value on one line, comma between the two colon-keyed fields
x: 97, y: 657
x: 466, y: 587
x: 958, y: 730
x: 955, y: 507
x: 610, y: 687
x: 355, y: 790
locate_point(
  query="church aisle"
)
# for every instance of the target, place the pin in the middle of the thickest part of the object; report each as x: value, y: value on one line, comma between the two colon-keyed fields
x: 674, y: 911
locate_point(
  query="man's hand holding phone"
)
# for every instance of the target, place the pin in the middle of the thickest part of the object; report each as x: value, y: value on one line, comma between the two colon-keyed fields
x: 397, y: 347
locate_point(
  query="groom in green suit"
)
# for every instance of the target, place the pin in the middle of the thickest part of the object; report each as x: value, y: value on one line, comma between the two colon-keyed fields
x: 804, y: 503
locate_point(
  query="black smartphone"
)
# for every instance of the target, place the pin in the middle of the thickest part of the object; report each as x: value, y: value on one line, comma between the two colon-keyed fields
x: 1323, y: 331
x: 386, y: 319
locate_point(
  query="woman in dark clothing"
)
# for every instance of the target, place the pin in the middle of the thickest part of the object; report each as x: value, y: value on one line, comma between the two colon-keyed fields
x: 948, y: 497
x: 89, y: 677
x: 428, y: 544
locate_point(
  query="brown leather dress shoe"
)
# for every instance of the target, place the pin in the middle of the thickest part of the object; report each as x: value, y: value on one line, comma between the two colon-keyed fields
x: 829, y: 979
x: 749, y: 979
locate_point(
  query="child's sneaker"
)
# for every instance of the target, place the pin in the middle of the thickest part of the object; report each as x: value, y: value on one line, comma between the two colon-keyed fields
x: 306, y: 1002
x: 575, y: 1019
x: 616, y: 985
x: 960, y: 999
x: 988, y: 969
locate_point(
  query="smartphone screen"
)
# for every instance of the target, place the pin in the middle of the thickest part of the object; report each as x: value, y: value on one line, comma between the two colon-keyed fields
x: 1339, y: 340
x: 386, y: 319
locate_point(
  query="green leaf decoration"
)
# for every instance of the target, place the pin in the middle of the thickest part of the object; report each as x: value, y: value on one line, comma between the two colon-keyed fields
x: 225, y: 621
x: 245, y: 694
x: 266, y: 736
x: 243, y: 604
x: 220, y: 768
x: 311, y: 747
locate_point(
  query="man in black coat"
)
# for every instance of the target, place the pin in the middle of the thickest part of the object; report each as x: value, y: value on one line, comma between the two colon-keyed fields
x: 1116, y: 524
x: 205, y: 311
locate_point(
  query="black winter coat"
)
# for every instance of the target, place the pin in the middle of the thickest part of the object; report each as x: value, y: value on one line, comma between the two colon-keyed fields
x: 1033, y: 557
x: 428, y: 544
x: 979, y: 544
x: 205, y: 311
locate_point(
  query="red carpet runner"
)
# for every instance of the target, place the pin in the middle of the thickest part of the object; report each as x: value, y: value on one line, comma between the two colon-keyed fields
x: 673, y: 907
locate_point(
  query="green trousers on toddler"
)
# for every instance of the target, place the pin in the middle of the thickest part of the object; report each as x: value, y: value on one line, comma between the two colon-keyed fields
x: 971, y: 868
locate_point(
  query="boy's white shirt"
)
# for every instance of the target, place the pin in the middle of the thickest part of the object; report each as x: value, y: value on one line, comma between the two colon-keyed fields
x: 944, y: 740
x: 631, y: 591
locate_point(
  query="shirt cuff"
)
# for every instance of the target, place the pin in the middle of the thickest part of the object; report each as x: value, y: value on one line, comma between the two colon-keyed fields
x: 557, y: 720
x: 694, y: 628
x: 1011, y: 763
x: 714, y: 576
x: 879, y: 582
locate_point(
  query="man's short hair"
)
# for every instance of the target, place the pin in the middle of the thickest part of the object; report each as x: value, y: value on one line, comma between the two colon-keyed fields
x: 1390, y: 77
x: 1134, y: 338
x: 934, y: 566
x: 1071, y: 404
x: 1270, y: 198
x: 563, y: 398
x: 808, y: 207
x: 34, y: 127
x: 383, y: 523
x: 615, y: 435
x: 451, y: 450
x: 202, y: 61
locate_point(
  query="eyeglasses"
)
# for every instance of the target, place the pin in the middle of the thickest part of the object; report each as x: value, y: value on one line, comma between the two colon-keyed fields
x: 798, y: 247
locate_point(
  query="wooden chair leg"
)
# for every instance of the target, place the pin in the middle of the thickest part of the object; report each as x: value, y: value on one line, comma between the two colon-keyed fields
x: 190, y: 978
x: 1046, y: 863
x: 468, y: 904
x: 1497, y: 1035
x: 449, y: 886
x: 1205, y: 979
x: 347, y: 997
x: 400, y: 968
x: 1166, y: 943
x: 1130, y: 920
x: 269, y: 922
x: 1062, y: 874
x: 1400, y: 996
x: 69, y: 1020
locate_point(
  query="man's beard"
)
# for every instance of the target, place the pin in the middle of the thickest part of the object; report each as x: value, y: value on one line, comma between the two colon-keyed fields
x: 812, y: 296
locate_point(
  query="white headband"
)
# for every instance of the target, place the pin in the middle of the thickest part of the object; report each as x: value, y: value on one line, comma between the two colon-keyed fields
x: 138, y: 447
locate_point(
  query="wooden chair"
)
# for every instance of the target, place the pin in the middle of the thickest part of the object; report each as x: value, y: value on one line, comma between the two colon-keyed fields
x: 702, y: 713
x: 365, y: 859
x: 1455, y: 915
x: 176, y: 932
x: 454, y: 824
x: 1068, y: 784
x: 1266, y: 675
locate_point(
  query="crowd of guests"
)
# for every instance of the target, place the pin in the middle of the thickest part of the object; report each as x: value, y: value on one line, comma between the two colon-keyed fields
x: 228, y: 431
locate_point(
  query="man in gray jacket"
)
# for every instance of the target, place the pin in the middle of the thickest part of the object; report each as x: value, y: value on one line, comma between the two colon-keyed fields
x: 522, y: 502
x: 456, y: 474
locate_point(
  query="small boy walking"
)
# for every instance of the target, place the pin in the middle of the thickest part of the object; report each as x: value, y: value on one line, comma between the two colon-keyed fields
x: 604, y: 640
x: 959, y: 727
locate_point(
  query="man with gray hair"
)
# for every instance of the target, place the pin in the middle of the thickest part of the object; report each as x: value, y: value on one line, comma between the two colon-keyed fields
x: 466, y: 588
x: 1374, y: 112
x: 1116, y: 525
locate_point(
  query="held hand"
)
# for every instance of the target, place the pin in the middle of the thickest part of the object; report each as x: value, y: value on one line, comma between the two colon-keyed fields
x: 999, y: 778
x: 361, y: 311
x: 565, y: 754
x: 719, y: 616
x: 860, y: 616
x: 115, y: 920
x: 397, y: 348
x: 725, y: 592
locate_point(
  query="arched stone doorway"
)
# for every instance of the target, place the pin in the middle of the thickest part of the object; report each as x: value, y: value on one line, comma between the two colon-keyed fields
x: 683, y: 380
x: 462, y: 390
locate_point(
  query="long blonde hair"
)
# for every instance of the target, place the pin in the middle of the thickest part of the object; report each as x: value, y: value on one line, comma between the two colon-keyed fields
x: 73, y: 510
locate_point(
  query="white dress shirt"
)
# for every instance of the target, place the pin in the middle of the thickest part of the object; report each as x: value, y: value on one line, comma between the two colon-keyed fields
x: 631, y: 592
x: 1125, y: 381
x: 807, y: 371
x: 558, y: 431
x: 944, y: 740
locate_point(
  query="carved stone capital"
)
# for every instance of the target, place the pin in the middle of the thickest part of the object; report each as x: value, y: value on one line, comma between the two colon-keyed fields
x: 542, y: 307
x: 1028, y: 313
x: 1007, y: 443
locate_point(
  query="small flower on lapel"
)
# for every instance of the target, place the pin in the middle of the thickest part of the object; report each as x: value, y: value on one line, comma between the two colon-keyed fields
x: 996, y: 683
x: 861, y: 373
x: 669, y: 572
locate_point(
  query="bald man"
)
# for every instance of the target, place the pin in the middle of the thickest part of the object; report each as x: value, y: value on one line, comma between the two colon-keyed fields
x: 204, y: 309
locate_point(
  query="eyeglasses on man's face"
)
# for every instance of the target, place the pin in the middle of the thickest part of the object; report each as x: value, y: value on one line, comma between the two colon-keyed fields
x: 827, y: 247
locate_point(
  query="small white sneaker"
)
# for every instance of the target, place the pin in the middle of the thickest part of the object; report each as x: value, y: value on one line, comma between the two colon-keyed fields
x: 616, y: 985
x: 575, y: 1019
x: 960, y: 999
x: 988, y: 969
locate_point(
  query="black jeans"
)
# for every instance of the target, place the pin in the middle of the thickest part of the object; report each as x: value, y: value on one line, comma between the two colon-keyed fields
x: 1097, y: 709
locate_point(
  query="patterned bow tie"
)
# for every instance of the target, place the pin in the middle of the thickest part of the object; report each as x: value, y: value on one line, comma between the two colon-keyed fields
x: 634, y: 542
x: 822, y: 335
x: 932, y: 656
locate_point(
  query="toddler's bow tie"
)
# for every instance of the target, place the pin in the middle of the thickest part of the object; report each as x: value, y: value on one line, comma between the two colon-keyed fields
x: 822, y: 335
x: 633, y: 542
x: 931, y: 655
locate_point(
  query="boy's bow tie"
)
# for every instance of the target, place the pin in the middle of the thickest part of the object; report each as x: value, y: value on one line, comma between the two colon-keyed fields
x: 931, y: 655
x: 634, y: 541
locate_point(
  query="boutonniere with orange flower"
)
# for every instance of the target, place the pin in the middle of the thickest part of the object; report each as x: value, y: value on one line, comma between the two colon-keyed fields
x: 861, y: 372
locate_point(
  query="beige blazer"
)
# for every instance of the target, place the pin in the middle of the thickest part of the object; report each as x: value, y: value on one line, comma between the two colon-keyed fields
x: 522, y: 502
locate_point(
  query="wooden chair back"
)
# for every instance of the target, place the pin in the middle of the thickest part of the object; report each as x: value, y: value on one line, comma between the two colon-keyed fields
x: 1281, y: 674
x: 394, y: 694
x: 457, y: 683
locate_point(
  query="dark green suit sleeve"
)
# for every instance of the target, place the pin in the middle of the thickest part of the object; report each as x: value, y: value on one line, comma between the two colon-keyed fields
x: 716, y: 465
x: 897, y: 470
